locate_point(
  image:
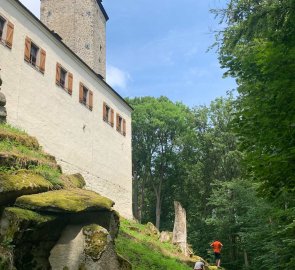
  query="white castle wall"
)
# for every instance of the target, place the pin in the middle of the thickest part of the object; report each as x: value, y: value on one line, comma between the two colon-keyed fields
x: 79, y: 138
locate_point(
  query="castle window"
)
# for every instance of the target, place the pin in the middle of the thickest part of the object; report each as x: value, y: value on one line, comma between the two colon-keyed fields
x: 86, y: 97
x: 64, y: 79
x: 63, y: 75
x: 121, y: 125
x: 6, y: 32
x: 34, y: 55
x: 2, y: 24
x: 108, y: 114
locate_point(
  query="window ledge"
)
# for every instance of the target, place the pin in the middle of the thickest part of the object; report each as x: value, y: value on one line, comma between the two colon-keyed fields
x: 121, y: 132
x: 35, y: 67
x: 3, y: 42
x: 64, y: 88
x: 86, y: 105
x: 108, y: 122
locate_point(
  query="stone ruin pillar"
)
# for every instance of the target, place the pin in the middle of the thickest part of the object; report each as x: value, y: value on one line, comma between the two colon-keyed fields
x: 180, y: 229
x: 3, y: 112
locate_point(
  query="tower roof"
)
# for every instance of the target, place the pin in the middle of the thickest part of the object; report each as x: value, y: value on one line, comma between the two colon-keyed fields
x: 99, y: 2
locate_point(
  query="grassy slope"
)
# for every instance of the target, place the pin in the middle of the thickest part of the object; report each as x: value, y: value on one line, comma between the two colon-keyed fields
x: 16, y: 142
x: 143, y: 251
x: 146, y: 252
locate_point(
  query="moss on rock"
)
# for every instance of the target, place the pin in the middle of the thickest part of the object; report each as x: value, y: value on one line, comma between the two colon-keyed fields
x: 96, y: 239
x: 6, y: 259
x: 20, y: 183
x: 16, y: 219
x: 24, y: 214
x: 67, y: 201
x: 73, y: 180
x: 124, y: 263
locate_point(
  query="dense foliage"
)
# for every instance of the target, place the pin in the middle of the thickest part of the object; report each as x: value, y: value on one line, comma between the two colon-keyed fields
x: 258, y: 49
x: 231, y: 164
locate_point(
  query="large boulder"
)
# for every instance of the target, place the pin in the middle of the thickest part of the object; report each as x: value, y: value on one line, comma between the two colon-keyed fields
x: 73, y: 180
x: 65, y: 201
x: 152, y: 230
x: 2, y: 99
x: 166, y: 237
x: 89, y: 247
x: 31, y: 236
x: 20, y: 183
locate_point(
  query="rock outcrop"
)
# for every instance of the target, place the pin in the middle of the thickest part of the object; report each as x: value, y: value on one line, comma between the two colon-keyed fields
x: 47, y: 219
x: 180, y: 229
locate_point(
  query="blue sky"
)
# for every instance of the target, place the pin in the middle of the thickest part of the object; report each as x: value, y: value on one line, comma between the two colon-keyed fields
x: 160, y: 48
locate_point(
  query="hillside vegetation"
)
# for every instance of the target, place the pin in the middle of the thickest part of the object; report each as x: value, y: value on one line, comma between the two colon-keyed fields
x: 143, y: 249
x: 36, y: 196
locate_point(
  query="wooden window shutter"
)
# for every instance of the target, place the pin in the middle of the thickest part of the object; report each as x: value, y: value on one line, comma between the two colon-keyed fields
x: 104, y: 112
x: 124, y: 127
x: 117, y: 122
x: 70, y: 83
x: 9, y: 35
x: 81, y: 93
x: 90, y: 100
x: 57, y: 76
x: 112, y: 117
x: 27, y: 49
x: 42, y: 61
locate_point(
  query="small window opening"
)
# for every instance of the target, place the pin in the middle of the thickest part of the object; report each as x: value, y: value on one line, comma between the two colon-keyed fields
x: 108, y: 113
x: 2, y: 24
x: 120, y: 121
x: 85, y: 94
x: 34, y: 54
x: 63, y: 75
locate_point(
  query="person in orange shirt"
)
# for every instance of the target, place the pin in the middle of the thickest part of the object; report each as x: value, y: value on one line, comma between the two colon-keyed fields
x: 217, y: 246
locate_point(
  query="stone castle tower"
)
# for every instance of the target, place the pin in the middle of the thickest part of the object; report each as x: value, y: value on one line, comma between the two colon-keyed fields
x: 82, y: 26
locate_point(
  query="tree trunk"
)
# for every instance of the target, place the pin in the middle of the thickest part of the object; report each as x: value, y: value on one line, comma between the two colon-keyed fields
x: 246, y: 259
x: 158, y: 209
x: 135, y: 197
x: 141, y: 207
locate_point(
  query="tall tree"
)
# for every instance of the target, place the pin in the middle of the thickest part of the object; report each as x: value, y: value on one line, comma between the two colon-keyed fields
x: 257, y: 47
x: 158, y: 125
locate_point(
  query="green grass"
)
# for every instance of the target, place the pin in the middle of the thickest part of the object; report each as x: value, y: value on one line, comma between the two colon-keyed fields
x: 51, y: 174
x: 17, y: 143
x: 9, y: 128
x: 146, y: 252
x: 7, y: 145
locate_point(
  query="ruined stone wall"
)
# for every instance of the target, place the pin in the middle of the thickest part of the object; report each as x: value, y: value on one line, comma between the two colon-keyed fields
x: 81, y: 24
x: 79, y: 138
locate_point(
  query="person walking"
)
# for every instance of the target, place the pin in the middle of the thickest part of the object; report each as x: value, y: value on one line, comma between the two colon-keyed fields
x: 217, y: 246
x: 199, y: 266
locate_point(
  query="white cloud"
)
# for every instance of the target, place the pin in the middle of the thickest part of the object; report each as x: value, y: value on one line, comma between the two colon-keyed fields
x: 117, y: 77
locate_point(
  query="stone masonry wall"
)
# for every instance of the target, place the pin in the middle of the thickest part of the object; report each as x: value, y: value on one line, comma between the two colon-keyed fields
x: 81, y: 24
